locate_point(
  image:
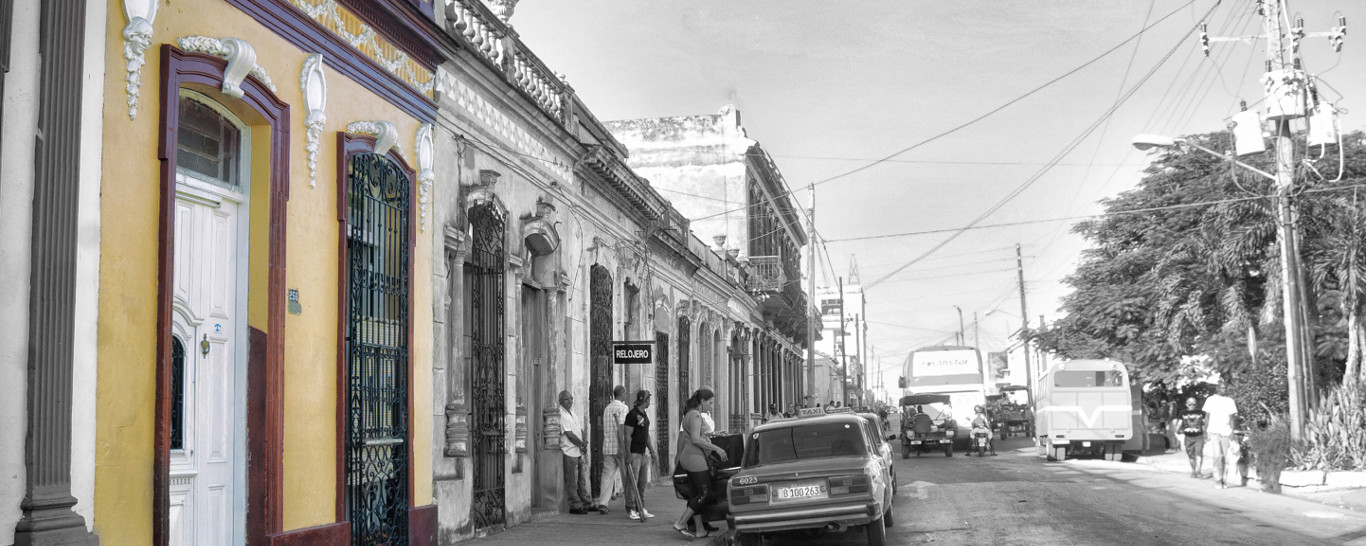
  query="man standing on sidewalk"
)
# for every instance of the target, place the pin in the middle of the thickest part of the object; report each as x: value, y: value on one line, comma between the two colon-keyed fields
x: 609, y: 480
x: 1219, y: 411
x: 572, y: 447
x: 637, y: 430
x: 1192, y: 426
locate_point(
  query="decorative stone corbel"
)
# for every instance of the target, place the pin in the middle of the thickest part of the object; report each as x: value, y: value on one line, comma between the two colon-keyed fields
x: 314, y: 85
x: 386, y: 135
x: 425, y: 150
x: 241, y: 61
x: 137, y: 35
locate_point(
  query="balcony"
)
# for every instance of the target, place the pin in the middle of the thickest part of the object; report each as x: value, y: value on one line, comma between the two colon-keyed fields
x: 766, y: 274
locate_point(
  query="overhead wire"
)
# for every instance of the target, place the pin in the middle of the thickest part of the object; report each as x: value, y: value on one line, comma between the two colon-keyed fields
x: 991, y: 112
x: 1058, y: 157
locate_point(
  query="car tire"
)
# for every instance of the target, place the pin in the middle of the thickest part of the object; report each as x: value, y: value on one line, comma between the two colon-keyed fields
x: 906, y: 452
x: 877, y: 533
x: 948, y: 450
x: 887, y: 518
x: 749, y: 539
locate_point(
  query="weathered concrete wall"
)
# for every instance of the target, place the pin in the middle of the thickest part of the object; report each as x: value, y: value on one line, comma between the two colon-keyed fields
x: 698, y: 162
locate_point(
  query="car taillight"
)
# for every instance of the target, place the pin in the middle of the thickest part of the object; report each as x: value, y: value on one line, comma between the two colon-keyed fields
x: 748, y: 495
x: 848, y: 485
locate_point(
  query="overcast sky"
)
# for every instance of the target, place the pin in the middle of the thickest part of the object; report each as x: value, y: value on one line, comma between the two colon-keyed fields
x: 829, y: 87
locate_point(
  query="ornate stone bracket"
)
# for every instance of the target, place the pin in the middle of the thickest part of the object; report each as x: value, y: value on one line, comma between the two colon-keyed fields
x: 137, y: 36
x: 386, y: 135
x: 457, y: 431
x: 425, y: 149
x: 241, y: 61
x: 314, y: 85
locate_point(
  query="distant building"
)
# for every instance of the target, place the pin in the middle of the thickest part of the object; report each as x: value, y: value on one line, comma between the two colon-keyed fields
x: 733, y: 194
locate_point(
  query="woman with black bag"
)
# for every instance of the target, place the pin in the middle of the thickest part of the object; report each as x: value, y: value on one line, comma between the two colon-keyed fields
x: 693, y: 451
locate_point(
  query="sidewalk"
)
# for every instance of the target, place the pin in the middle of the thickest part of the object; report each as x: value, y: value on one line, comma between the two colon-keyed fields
x: 1341, y: 489
x: 612, y: 529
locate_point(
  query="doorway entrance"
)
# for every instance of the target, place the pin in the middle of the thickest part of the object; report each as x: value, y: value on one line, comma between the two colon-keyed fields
x: 208, y: 328
x: 484, y: 285
x: 600, y: 351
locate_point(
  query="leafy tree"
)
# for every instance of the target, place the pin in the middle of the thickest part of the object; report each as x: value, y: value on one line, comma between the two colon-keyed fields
x: 1188, y: 263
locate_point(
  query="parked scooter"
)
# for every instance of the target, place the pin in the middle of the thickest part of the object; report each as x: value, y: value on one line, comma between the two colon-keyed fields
x: 981, y: 441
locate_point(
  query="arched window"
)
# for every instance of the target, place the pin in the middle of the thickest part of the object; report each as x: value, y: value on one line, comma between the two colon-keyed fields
x: 209, y: 142
x: 177, y: 393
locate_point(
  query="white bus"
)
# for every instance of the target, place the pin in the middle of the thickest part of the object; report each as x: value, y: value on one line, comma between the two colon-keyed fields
x: 952, y: 370
x: 1083, y: 406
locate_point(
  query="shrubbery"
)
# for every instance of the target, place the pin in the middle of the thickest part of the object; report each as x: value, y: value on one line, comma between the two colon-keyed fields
x: 1335, y: 432
x: 1271, y: 449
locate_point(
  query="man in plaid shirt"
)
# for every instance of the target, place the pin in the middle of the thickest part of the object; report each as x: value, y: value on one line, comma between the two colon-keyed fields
x: 612, y: 418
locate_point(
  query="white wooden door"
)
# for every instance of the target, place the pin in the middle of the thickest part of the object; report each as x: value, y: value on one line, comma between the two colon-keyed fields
x: 206, y: 317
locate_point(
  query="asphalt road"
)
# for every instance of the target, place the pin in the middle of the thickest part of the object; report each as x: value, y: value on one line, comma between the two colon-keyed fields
x: 1019, y: 498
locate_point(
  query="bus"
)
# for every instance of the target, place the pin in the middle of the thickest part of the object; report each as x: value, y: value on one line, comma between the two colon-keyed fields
x: 1084, y: 406
x: 952, y: 370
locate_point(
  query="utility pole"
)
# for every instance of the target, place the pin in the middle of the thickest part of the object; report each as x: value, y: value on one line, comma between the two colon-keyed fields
x: 1024, y: 322
x: 811, y: 293
x: 962, y: 340
x: 1287, y: 100
x: 844, y: 353
x: 976, y: 332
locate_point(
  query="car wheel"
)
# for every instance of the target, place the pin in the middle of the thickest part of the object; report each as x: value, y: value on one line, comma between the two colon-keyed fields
x: 749, y: 539
x: 948, y: 450
x: 887, y: 518
x: 906, y: 452
x: 877, y: 533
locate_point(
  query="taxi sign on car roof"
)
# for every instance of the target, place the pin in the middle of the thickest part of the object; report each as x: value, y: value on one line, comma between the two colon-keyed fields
x: 841, y: 409
x: 810, y: 412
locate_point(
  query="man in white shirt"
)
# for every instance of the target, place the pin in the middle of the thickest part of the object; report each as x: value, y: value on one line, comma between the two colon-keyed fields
x: 609, y: 479
x: 572, y: 447
x: 1219, y: 411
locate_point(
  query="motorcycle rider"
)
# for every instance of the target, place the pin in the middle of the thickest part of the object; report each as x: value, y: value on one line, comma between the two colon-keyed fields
x: 981, y: 424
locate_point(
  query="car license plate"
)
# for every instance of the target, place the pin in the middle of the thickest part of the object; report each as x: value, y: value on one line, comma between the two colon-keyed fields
x: 915, y: 442
x: 1086, y: 444
x: 801, y: 491
x: 946, y: 441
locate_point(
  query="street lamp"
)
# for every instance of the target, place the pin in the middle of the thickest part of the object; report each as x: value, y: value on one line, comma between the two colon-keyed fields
x: 1293, y: 297
x: 960, y: 324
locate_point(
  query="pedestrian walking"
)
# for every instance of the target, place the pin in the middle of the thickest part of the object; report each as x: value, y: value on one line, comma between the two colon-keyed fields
x: 1192, y: 427
x: 572, y: 448
x: 693, y: 450
x: 609, y: 479
x: 636, y: 430
x: 1219, y: 412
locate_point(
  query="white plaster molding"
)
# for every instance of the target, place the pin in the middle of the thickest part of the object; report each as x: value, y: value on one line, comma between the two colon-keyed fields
x: 425, y: 150
x: 386, y: 135
x: 137, y: 36
x: 241, y: 61
x: 313, y: 83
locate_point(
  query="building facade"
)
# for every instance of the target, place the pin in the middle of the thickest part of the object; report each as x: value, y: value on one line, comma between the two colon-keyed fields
x: 314, y: 271
x: 733, y: 193
x: 262, y: 358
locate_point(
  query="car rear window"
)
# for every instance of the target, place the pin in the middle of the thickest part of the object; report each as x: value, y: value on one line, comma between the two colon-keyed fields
x: 812, y: 441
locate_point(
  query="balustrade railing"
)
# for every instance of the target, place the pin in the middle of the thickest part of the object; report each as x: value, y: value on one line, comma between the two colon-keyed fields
x: 475, y: 24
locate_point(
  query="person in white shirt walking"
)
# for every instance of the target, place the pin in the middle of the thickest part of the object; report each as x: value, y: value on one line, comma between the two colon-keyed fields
x: 572, y: 447
x: 609, y: 479
x: 1219, y: 411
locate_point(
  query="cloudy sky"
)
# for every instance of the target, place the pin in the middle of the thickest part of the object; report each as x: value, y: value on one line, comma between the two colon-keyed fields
x: 834, y: 87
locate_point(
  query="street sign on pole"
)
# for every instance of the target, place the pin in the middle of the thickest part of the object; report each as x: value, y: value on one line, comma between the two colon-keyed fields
x: 633, y: 352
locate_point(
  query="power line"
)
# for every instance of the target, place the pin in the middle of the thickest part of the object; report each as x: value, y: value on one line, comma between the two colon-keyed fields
x: 1058, y: 157
x: 992, y: 111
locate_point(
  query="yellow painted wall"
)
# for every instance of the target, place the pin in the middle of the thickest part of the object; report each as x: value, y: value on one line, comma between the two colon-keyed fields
x: 128, y: 281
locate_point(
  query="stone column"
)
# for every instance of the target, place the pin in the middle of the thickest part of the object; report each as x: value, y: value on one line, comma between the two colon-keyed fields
x: 48, y: 517
x: 457, y: 412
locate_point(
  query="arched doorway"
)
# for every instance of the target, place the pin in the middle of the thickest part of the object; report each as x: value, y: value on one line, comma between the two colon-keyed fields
x: 599, y: 353
x: 485, y: 301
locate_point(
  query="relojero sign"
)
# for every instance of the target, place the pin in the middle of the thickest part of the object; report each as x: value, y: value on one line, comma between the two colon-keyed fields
x: 633, y: 352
